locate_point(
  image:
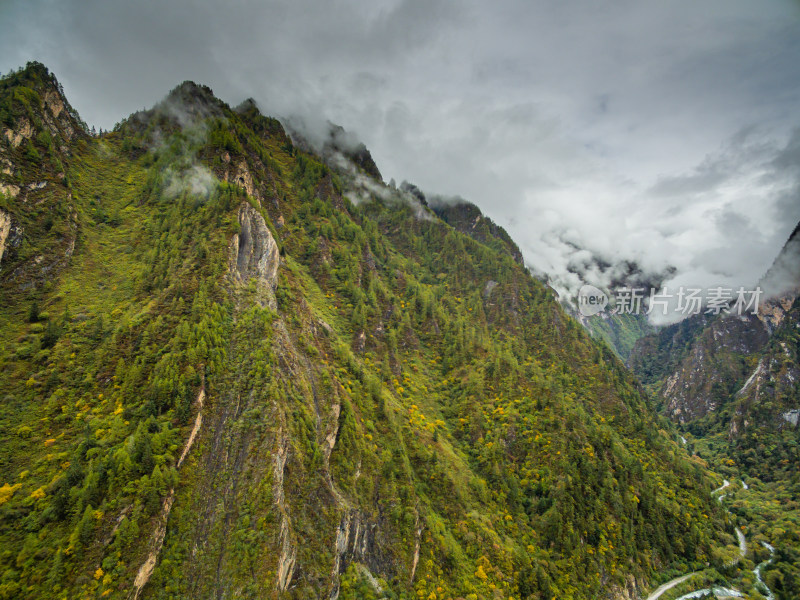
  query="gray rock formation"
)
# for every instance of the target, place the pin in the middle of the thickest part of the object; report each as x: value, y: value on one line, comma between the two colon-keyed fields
x: 10, y: 234
x: 5, y: 227
x: 254, y: 254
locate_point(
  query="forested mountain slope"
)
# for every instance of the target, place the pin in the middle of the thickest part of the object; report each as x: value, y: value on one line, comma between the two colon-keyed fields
x: 222, y: 378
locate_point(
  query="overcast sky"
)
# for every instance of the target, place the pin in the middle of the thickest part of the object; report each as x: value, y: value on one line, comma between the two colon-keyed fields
x: 663, y: 132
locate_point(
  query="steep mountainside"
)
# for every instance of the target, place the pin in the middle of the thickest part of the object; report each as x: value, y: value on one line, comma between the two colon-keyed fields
x: 39, y: 129
x: 619, y: 331
x: 707, y: 363
x: 468, y: 219
x: 702, y: 374
x: 221, y: 378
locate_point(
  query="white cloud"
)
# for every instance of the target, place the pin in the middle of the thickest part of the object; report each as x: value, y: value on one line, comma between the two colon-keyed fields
x: 196, y: 180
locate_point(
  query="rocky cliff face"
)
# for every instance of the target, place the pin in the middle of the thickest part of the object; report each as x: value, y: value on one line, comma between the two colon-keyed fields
x: 254, y: 254
x: 40, y: 115
x: 746, y: 363
x: 716, y: 362
x: 5, y: 229
x: 770, y: 397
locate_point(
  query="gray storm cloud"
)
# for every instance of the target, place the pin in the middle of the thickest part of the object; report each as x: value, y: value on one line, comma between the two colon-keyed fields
x: 601, y: 135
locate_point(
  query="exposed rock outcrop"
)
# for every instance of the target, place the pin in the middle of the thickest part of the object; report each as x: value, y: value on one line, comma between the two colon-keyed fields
x: 489, y: 288
x: 254, y: 254
x: 159, y: 533
x: 241, y: 176
x: 10, y: 234
x: 47, y: 109
x: 750, y: 361
x: 355, y: 542
x: 288, y: 545
x: 709, y: 373
x: 23, y: 131
x: 5, y: 228
x: 773, y: 383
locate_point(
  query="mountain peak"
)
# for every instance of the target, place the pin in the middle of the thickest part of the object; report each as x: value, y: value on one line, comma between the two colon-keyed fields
x: 191, y: 93
x: 33, y: 72
x: 191, y: 102
x: 783, y: 277
x: 354, y: 149
x: 32, y: 100
x: 183, y: 107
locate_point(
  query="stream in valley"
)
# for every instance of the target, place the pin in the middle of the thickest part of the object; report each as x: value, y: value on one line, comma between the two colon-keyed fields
x: 719, y: 591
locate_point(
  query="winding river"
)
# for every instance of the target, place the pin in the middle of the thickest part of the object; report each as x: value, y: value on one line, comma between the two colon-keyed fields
x: 719, y: 591
x: 757, y: 572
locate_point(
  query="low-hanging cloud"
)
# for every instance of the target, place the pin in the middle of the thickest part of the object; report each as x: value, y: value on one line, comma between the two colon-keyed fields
x: 364, y: 188
x: 196, y: 180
